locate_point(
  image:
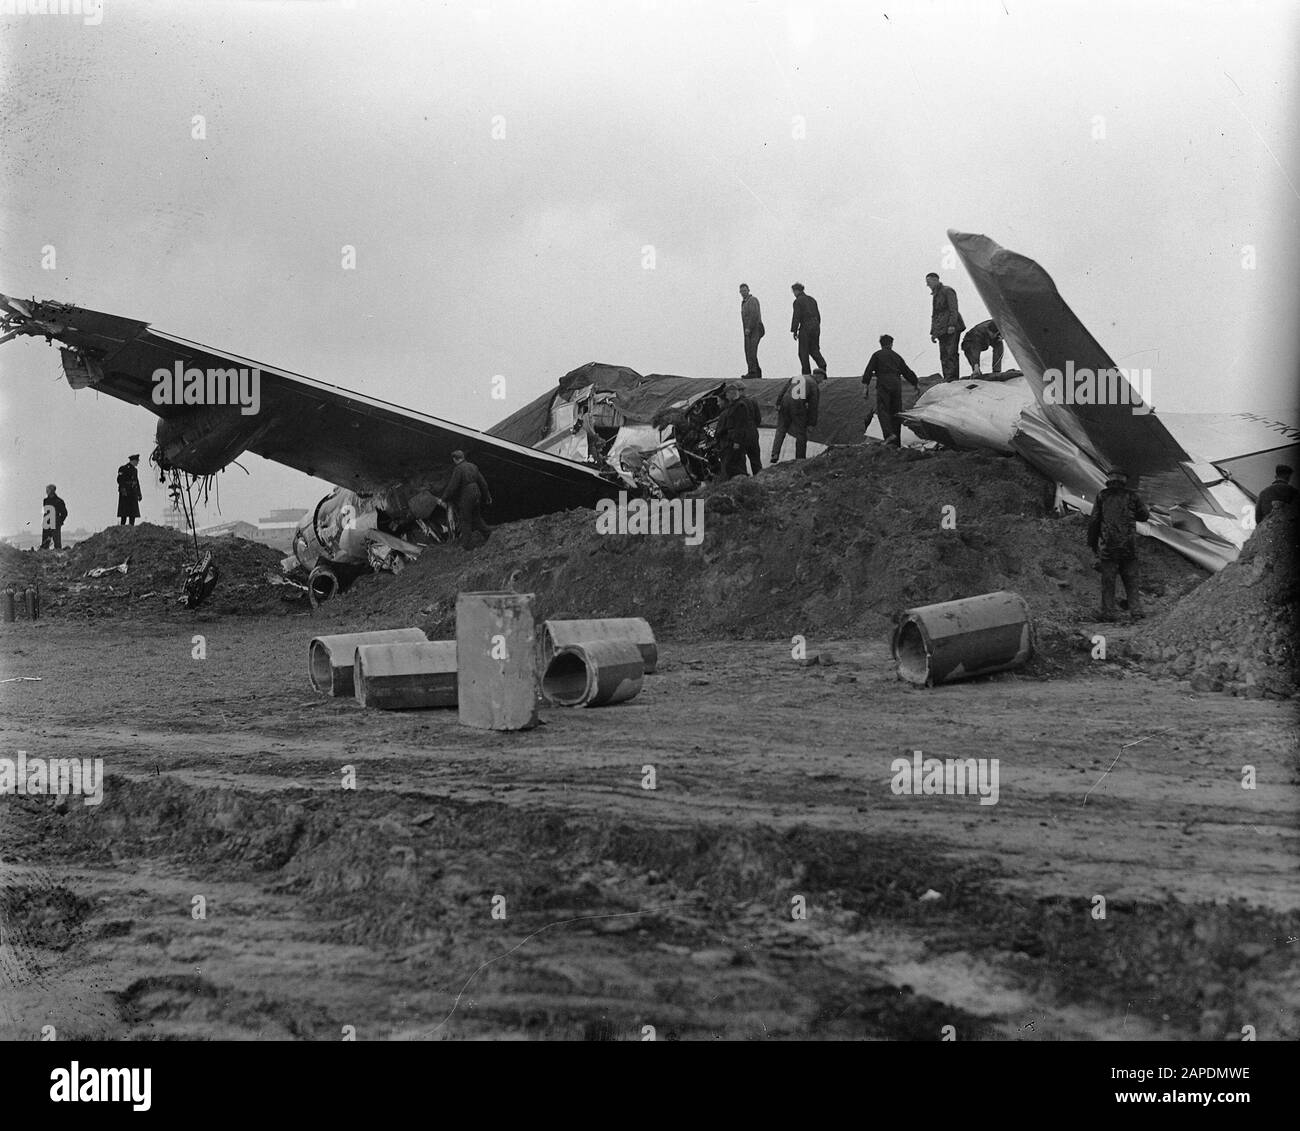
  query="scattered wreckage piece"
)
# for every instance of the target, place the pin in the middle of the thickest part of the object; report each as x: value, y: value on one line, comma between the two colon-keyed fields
x: 956, y: 640
x: 593, y: 673
x: 103, y: 571
x: 402, y: 677
x: 496, y: 660
x: 559, y: 634
x: 330, y: 658
x: 200, y: 581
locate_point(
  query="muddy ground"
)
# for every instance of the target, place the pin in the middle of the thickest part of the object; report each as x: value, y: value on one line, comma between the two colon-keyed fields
x: 325, y: 907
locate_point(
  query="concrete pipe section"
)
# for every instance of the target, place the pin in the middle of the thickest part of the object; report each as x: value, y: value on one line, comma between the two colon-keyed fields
x: 330, y: 658
x: 558, y: 634
x: 956, y: 640
x: 593, y: 674
x: 403, y: 677
x: 496, y: 658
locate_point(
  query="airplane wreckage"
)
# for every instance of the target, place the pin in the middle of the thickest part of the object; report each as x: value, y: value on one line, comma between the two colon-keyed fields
x: 606, y: 429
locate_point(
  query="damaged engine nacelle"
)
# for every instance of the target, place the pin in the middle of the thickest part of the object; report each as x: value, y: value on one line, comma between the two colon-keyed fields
x: 348, y: 534
x: 204, y: 440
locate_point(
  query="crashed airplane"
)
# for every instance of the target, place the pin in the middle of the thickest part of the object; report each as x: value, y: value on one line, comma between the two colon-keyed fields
x: 607, y: 429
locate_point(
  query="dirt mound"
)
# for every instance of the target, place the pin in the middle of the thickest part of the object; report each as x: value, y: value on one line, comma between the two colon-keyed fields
x: 1237, y: 633
x: 833, y: 546
x: 19, y: 568
x: 158, y: 559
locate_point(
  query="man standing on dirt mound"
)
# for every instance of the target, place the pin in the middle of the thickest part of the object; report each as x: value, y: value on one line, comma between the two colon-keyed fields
x: 751, y: 328
x: 890, y: 370
x: 128, y: 492
x: 54, y: 513
x: 806, y: 327
x: 1112, y: 536
x: 467, y: 491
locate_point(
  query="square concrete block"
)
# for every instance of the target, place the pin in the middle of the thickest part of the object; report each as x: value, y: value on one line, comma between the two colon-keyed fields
x: 496, y: 660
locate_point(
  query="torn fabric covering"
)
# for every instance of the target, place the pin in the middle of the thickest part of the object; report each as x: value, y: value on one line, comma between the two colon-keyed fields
x: 1045, y: 334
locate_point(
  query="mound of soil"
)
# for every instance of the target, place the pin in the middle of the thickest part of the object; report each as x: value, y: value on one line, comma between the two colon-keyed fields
x: 833, y: 546
x: 158, y: 560
x: 1237, y: 633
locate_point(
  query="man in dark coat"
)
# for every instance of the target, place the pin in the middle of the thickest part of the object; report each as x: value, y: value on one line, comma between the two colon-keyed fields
x: 752, y: 452
x: 980, y: 337
x: 751, y: 325
x: 128, y: 492
x: 1278, y: 493
x: 735, y: 423
x: 889, y: 370
x: 467, y: 491
x: 806, y: 327
x: 946, y: 325
x: 796, y: 412
x: 54, y: 513
x: 1112, y: 536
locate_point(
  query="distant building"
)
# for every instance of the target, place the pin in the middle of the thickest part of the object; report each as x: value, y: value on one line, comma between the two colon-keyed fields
x: 277, y: 528
x: 238, y: 527
x: 174, y: 519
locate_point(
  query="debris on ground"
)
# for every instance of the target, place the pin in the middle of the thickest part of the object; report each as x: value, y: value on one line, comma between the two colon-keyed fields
x: 88, y: 580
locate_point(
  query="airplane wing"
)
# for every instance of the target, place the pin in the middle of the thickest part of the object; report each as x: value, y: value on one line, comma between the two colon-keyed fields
x: 347, y: 438
x: 1044, y: 334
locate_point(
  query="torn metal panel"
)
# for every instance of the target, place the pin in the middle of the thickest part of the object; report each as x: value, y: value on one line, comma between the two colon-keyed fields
x: 971, y: 414
x: 1252, y: 473
x: 1045, y: 335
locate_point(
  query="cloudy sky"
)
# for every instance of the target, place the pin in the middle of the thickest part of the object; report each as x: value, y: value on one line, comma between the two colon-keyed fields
x: 531, y: 186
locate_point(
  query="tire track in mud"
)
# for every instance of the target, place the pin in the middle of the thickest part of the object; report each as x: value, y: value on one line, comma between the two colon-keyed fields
x: 42, y: 922
x: 405, y: 873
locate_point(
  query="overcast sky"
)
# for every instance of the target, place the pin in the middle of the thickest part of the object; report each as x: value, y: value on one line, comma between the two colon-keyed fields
x: 503, y: 171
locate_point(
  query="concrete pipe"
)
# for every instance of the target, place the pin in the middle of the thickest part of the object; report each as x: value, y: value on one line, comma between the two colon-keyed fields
x: 322, y: 586
x: 404, y: 677
x: 558, y: 634
x: 593, y: 674
x: 956, y: 640
x: 33, y: 603
x: 10, y: 606
x: 330, y: 658
x: 496, y: 660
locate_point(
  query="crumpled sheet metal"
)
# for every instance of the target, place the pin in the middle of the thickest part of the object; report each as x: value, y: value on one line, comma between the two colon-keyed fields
x: 1044, y: 333
x: 971, y: 414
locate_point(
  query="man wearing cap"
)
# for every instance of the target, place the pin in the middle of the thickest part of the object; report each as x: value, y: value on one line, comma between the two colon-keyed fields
x: 796, y: 412
x: 54, y: 513
x: 128, y: 491
x: 889, y: 370
x: 1278, y: 493
x: 1112, y: 536
x: 806, y: 327
x: 467, y: 491
x: 735, y: 423
x: 751, y: 325
x: 945, y: 325
x: 980, y: 337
